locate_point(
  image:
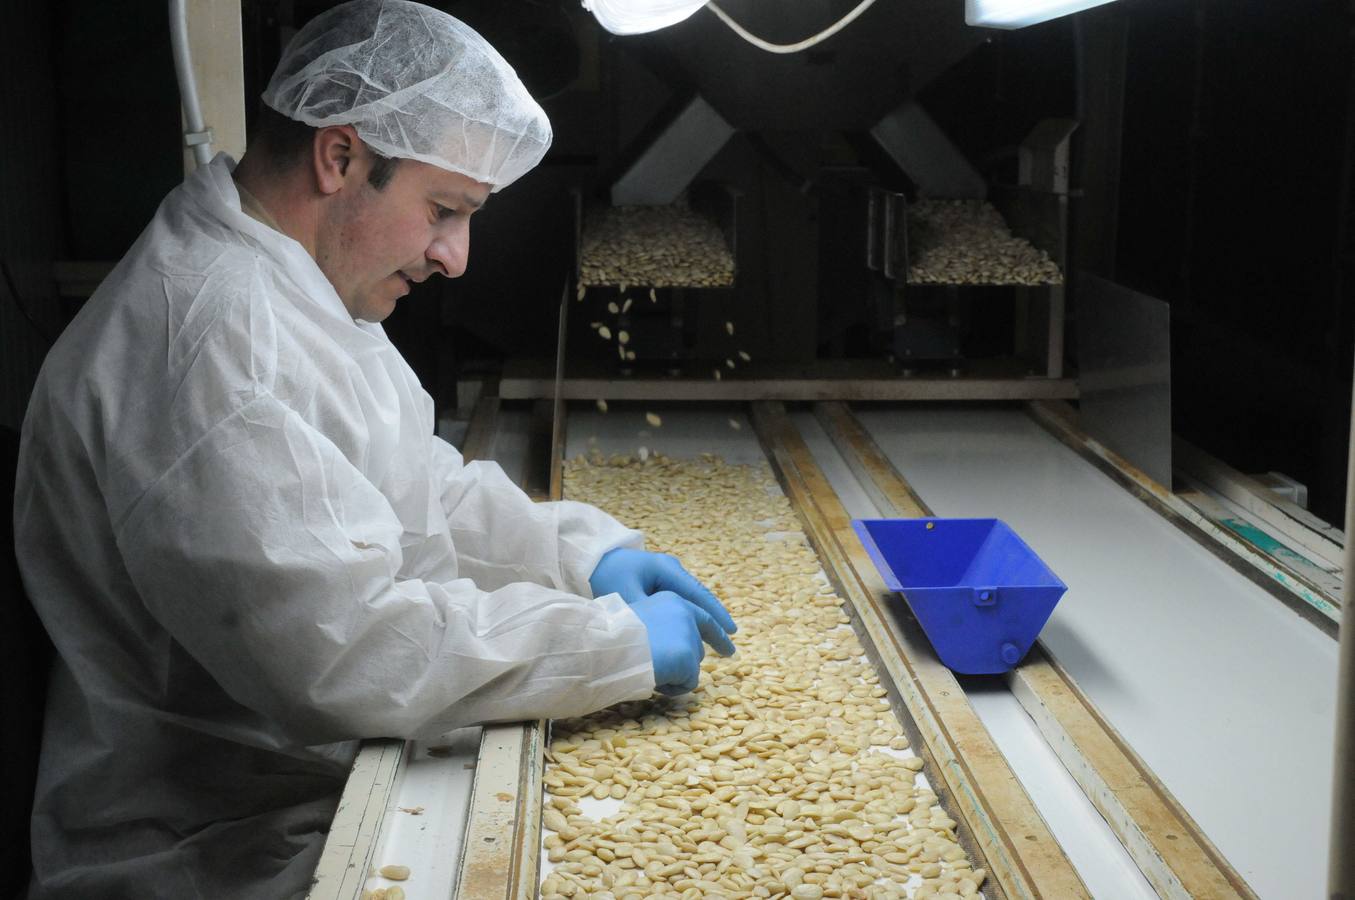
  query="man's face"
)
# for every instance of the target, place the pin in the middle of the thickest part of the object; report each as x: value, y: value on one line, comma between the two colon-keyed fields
x: 379, y: 241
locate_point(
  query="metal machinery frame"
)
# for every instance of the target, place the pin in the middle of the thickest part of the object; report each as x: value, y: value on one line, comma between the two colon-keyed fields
x: 1037, y: 207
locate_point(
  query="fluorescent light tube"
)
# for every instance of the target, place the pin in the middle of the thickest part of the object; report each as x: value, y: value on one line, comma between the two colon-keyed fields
x: 1020, y: 13
x: 640, y: 16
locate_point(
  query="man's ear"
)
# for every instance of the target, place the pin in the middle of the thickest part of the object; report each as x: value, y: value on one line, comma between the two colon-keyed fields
x: 333, y: 154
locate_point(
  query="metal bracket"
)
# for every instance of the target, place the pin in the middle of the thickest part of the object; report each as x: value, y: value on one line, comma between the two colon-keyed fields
x: 193, y: 138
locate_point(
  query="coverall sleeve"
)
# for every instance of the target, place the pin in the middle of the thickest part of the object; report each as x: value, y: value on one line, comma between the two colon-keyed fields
x: 501, y: 535
x: 274, y: 562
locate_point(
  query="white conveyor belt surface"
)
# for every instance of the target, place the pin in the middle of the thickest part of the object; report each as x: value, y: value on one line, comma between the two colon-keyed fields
x: 1224, y: 692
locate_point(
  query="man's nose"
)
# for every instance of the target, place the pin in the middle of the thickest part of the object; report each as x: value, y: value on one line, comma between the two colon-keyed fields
x: 449, y: 253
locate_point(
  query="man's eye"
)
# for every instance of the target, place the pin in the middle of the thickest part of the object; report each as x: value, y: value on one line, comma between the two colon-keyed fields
x: 444, y: 212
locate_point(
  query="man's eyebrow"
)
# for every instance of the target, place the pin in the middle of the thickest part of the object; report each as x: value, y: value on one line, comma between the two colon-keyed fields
x: 454, y: 199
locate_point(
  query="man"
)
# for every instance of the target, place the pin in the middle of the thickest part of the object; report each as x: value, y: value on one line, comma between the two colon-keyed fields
x: 237, y: 526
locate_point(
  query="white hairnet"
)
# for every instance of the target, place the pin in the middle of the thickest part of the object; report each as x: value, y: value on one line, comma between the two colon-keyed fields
x: 416, y: 84
x: 640, y: 16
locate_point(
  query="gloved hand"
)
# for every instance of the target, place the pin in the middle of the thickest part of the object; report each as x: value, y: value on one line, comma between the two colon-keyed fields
x: 635, y: 574
x: 676, y: 629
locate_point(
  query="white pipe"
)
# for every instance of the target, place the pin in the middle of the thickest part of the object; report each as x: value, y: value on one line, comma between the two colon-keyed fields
x: 1341, y: 866
x: 796, y: 47
x: 196, y: 134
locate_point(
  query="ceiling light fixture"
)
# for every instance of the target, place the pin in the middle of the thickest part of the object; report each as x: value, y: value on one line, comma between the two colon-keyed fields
x: 1020, y: 13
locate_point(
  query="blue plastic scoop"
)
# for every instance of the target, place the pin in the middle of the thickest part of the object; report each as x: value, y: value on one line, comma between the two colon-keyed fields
x: 979, y: 592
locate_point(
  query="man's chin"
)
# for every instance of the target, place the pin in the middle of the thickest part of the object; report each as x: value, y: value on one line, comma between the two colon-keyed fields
x: 376, y: 310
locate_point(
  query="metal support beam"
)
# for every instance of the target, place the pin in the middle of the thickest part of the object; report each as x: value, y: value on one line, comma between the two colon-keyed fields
x: 675, y: 156
x: 913, y: 140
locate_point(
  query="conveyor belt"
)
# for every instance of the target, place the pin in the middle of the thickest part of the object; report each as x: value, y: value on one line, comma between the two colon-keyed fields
x: 1104, y: 862
x: 1224, y: 692
x: 783, y: 654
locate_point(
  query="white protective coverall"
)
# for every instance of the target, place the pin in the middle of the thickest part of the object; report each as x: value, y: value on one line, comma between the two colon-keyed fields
x: 249, y: 549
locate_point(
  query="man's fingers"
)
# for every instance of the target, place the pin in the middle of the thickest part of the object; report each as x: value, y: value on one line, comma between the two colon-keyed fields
x: 678, y: 580
x: 688, y: 672
x: 713, y: 633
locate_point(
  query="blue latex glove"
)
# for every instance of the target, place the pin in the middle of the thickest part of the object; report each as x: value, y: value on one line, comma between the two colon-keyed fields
x: 676, y: 630
x: 636, y: 574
